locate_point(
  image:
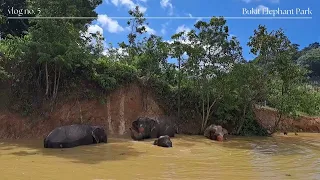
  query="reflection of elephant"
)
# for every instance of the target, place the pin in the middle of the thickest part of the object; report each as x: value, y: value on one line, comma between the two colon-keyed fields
x: 163, y: 141
x: 75, y: 135
x: 215, y: 132
x: 144, y: 128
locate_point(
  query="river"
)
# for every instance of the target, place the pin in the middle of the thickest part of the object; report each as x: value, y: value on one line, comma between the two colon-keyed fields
x: 192, y: 157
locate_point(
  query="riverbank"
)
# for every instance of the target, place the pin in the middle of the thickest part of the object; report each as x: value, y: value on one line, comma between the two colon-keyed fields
x: 114, y: 111
x: 118, y: 120
x: 117, y: 110
x: 267, y: 116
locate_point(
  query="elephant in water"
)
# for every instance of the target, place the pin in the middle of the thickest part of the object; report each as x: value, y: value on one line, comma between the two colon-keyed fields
x: 215, y: 132
x: 75, y: 135
x: 163, y: 141
x: 145, y: 128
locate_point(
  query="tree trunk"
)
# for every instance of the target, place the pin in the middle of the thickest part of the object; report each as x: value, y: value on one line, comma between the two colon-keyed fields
x: 280, y: 113
x: 54, y: 82
x: 242, y: 119
x: 47, y: 79
x: 58, y: 81
x: 80, y: 112
x: 277, y: 123
x: 203, y: 115
x: 179, y: 93
x: 206, y: 114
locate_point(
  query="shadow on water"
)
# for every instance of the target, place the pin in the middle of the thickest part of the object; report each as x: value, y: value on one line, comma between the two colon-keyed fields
x: 114, y: 150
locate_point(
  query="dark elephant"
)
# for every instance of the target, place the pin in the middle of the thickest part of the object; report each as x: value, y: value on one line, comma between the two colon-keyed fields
x: 163, y: 141
x: 215, y: 132
x: 145, y: 128
x: 75, y: 135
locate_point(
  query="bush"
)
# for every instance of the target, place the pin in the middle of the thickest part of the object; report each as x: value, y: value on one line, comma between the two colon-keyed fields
x: 109, y: 75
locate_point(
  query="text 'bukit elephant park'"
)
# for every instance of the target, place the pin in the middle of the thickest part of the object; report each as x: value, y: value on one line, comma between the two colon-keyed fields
x: 261, y: 10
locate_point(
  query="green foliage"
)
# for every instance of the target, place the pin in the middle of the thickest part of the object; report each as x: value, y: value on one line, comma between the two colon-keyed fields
x: 309, y: 101
x: 48, y: 57
x: 167, y: 96
x: 251, y: 127
x: 211, y: 57
x: 244, y: 89
x: 153, y: 55
x: 311, y: 59
x: 110, y: 74
x: 276, y: 56
x: 3, y: 74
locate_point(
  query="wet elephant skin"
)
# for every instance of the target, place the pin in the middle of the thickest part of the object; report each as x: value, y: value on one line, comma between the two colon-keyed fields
x: 145, y: 128
x: 75, y: 135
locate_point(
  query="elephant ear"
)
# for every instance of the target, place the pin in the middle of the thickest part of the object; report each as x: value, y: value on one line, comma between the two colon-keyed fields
x: 95, y: 136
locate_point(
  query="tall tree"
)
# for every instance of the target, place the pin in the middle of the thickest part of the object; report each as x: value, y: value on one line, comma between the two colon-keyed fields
x: 211, y: 56
x: 147, y: 52
x: 137, y: 25
x: 276, y: 55
x: 178, y: 49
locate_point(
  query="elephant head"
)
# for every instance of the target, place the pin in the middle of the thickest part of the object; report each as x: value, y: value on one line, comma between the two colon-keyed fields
x: 135, y: 126
x: 215, y: 132
x: 144, y: 128
x: 140, y: 125
x: 135, y: 135
x: 99, y: 135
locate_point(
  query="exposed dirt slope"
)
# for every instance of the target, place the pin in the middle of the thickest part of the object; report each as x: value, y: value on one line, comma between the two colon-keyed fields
x: 116, y: 114
x: 267, y: 116
x: 122, y: 106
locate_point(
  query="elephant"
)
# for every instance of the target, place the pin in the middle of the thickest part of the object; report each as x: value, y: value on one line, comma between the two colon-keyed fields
x: 163, y: 141
x: 215, y: 132
x: 145, y: 128
x: 75, y: 135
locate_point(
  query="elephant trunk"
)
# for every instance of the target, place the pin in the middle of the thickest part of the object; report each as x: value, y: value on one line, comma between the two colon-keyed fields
x: 135, y: 135
x: 45, y: 143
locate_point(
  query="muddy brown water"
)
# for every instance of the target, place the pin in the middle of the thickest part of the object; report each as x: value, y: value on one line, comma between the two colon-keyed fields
x: 192, y: 157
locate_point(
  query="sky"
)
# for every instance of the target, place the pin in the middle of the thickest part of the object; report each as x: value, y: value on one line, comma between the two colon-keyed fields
x: 299, y: 31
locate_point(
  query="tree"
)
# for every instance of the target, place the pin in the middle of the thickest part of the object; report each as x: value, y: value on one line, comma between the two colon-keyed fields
x: 148, y: 53
x: 53, y: 48
x: 245, y: 89
x: 276, y: 57
x: 211, y: 56
x: 137, y: 26
x: 177, y: 51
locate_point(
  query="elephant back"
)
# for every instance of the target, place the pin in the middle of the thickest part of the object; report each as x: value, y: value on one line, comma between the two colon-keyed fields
x: 70, y: 133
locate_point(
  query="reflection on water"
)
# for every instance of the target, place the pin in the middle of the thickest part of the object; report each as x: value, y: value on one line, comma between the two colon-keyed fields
x: 192, y: 157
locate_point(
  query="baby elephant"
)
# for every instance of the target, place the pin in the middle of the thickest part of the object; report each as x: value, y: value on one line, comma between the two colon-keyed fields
x: 163, y: 141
